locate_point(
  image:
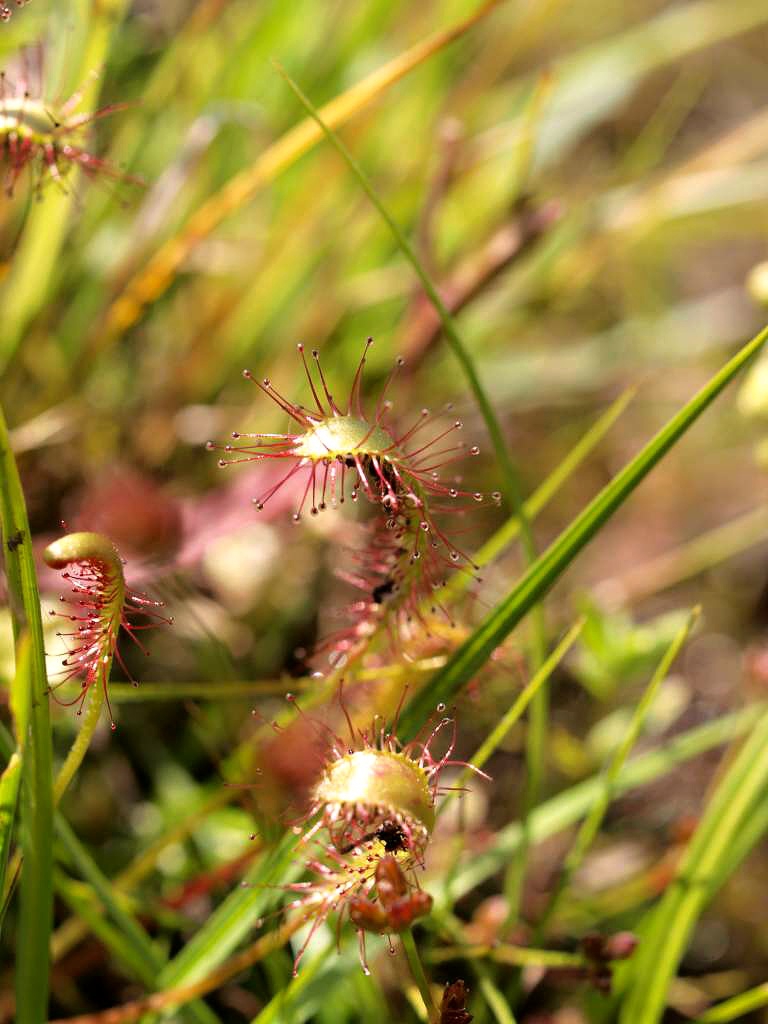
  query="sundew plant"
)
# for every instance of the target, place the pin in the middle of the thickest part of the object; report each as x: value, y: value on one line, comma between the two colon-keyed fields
x: 382, y: 505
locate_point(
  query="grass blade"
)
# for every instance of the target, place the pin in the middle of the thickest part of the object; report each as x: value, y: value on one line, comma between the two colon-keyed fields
x: 508, y: 719
x: 131, y: 943
x: 666, y: 930
x: 158, y: 273
x: 542, y: 575
x: 233, y: 919
x: 591, y: 824
x: 37, y: 262
x: 569, y: 806
x: 35, y: 914
x: 10, y: 781
x: 737, y: 1007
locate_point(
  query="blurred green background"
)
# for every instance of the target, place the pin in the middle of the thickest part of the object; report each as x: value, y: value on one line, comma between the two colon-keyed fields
x: 587, y: 183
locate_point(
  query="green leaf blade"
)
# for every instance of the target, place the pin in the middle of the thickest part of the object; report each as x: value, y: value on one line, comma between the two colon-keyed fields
x: 548, y: 568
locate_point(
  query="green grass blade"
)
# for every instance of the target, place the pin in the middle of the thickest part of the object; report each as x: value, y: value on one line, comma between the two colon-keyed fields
x: 541, y: 497
x: 232, y: 921
x: 667, y: 928
x: 541, y: 576
x: 737, y: 1007
x: 37, y: 263
x: 513, y: 713
x: 10, y: 781
x: 570, y: 806
x: 134, y: 947
x: 591, y: 824
x: 289, y: 998
x: 35, y: 913
x: 132, y: 931
x: 81, y: 901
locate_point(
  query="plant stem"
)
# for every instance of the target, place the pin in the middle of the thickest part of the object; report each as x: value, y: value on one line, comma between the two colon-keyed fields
x: 538, y: 727
x: 81, y: 743
x: 419, y: 975
x: 36, y: 902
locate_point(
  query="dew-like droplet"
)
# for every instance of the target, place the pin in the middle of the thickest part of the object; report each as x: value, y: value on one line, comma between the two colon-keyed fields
x: 474, y: 450
x: 440, y: 708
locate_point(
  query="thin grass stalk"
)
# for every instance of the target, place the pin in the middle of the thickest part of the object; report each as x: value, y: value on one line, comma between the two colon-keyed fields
x: 541, y: 576
x: 36, y: 891
x: 157, y: 274
x: 737, y: 1007
x: 37, y: 261
x: 667, y: 928
x: 568, y: 808
x: 591, y: 824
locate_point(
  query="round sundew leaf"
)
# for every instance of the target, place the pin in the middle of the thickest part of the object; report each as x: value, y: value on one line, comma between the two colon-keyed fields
x: 383, y: 778
x: 342, y: 436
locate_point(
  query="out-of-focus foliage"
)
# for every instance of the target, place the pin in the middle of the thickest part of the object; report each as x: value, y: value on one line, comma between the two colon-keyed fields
x: 588, y: 185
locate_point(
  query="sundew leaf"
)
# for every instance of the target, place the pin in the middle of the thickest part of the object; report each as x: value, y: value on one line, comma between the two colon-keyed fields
x: 36, y: 904
x: 548, y: 568
x: 707, y: 863
x: 37, y: 261
x: 447, y: 321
